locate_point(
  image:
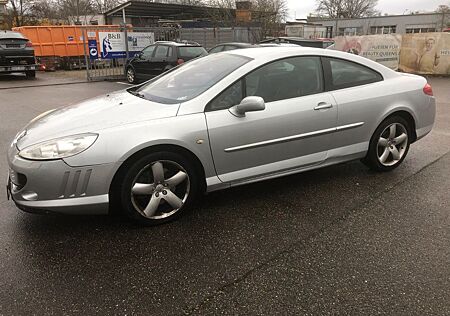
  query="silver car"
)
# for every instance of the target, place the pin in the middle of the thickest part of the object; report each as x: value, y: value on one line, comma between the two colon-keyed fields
x: 224, y: 120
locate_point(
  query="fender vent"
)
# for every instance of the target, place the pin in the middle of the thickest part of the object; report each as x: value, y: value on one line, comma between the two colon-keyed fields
x: 74, y: 184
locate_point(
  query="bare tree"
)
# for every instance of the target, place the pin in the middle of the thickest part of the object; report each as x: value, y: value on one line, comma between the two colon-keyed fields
x: 443, y: 9
x: 18, y: 12
x: 346, y: 8
x: 269, y: 14
x: 221, y: 11
x: 75, y: 8
x: 101, y: 6
x: 45, y: 10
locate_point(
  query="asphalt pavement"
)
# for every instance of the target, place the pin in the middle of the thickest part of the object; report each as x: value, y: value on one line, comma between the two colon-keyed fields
x: 338, y: 240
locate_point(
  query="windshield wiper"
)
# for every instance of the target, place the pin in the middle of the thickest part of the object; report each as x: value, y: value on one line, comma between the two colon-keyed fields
x: 137, y: 93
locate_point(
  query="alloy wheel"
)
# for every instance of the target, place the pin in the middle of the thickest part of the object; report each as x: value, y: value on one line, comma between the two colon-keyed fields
x: 130, y: 75
x: 160, y: 189
x: 392, y: 144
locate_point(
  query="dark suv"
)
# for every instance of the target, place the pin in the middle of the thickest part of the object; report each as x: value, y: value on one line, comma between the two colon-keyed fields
x: 16, y: 54
x: 160, y: 57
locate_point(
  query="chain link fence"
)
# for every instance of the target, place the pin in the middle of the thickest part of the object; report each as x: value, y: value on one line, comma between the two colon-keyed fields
x: 107, y: 49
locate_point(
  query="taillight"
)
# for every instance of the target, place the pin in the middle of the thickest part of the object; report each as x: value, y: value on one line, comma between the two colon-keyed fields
x: 180, y: 61
x: 29, y: 44
x: 428, y: 90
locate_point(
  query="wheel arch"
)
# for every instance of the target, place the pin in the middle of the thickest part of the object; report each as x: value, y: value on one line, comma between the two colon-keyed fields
x: 198, y: 165
x: 406, y: 114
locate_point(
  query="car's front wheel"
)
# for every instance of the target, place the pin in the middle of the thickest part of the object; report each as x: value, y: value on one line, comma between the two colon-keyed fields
x: 158, y: 187
x: 131, y: 75
x: 389, y: 144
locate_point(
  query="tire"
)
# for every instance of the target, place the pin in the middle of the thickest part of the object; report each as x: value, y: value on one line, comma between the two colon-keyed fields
x: 139, y: 188
x: 31, y: 74
x: 389, y: 145
x: 131, y: 75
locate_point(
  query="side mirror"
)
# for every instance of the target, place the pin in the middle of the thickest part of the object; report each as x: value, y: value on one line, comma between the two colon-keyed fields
x: 248, y: 104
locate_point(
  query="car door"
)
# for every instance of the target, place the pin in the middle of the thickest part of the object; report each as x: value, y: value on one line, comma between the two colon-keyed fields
x: 361, y: 97
x: 142, y: 62
x: 159, y: 60
x: 291, y: 132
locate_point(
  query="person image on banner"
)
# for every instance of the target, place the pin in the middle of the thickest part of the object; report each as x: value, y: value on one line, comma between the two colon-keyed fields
x: 428, y: 57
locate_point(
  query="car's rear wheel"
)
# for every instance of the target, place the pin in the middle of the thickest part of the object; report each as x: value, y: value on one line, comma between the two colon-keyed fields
x: 131, y: 75
x: 158, y: 187
x: 31, y: 74
x: 389, y: 144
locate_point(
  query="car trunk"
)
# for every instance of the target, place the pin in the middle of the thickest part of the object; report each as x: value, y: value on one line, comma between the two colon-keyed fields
x: 14, y: 51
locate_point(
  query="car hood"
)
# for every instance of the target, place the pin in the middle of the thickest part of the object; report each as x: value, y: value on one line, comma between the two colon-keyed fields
x: 93, y: 115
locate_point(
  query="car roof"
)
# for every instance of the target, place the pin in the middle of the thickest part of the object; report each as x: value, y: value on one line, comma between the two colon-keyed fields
x: 179, y: 43
x: 273, y: 53
x: 239, y: 44
x: 11, y: 34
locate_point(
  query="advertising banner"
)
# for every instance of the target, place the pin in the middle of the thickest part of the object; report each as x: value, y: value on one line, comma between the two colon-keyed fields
x: 93, y: 51
x: 384, y: 49
x: 426, y: 53
x: 112, y: 44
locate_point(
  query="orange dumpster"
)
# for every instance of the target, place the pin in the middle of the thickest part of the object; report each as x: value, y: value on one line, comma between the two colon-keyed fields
x: 60, y: 46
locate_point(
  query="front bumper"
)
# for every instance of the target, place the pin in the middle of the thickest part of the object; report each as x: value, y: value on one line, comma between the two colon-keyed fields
x: 54, y: 186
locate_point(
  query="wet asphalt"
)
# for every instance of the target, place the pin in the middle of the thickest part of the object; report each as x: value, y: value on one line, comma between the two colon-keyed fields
x: 339, y: 240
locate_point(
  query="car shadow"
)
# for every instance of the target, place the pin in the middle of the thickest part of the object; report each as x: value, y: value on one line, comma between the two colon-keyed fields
x: 15, y: 77
x: 309, y: 189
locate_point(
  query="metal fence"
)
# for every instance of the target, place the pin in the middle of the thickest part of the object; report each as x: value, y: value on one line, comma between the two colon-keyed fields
x: 209, y: 37
x: 107, y: 49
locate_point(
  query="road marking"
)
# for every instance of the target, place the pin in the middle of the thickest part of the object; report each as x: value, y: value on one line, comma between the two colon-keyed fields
x: 125, y: 83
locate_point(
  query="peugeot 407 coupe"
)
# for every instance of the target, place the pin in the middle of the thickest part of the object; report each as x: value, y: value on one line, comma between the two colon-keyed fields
x: 223, y: 120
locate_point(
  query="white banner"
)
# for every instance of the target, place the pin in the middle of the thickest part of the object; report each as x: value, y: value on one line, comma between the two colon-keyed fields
x: 384, y: 49
x: 112, y: 44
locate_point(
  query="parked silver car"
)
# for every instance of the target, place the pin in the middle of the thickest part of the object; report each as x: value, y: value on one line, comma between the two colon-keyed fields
x: 219, y: 121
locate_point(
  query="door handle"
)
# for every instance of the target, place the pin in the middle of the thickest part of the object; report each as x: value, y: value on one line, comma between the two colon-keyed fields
x: 323, y: 106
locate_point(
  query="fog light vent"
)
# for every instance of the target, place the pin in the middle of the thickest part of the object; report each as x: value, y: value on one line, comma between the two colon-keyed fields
x: 18, y: 179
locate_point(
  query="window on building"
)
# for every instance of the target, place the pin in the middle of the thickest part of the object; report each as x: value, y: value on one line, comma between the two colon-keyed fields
x: 349, y: 31
x: 385, y: 29
x: 413, y: 30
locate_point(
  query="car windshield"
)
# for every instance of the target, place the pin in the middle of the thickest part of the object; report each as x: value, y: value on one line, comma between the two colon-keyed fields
x: 191, y: 79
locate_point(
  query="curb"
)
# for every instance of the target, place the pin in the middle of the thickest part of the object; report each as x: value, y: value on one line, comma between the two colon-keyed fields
x: 47, y: 85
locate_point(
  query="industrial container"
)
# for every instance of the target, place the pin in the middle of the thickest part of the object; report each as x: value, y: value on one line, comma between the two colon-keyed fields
x: 60, y: 46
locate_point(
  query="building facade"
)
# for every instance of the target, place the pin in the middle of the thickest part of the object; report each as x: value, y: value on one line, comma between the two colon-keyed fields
x: 400, y: 24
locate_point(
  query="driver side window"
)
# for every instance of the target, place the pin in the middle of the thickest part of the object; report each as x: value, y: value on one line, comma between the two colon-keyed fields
x: 228, y: 98
x: 148, y: 52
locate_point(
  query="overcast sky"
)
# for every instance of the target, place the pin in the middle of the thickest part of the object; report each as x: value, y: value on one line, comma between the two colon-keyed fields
x: 301, y: 8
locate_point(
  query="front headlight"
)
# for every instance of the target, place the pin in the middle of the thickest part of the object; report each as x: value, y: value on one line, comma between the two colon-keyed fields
x: 59, y: 148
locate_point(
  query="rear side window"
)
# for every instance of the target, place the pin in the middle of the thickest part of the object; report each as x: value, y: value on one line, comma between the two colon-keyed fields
x: 189, y: 52
x: 345, y: 74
